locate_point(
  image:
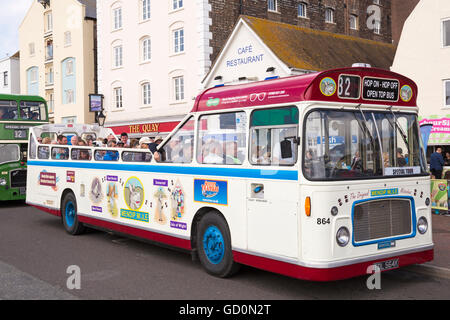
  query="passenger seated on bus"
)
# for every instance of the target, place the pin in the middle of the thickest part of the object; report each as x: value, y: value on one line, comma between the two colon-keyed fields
x: 214, y: 155
x: 39, y: 139
x: 85, y: 155
x: 356, y: 164
x: 99, y: 155
x: 231, y: 156
x: 74, y: 140
x: 35, y: 116
x: 308, y: 165
x: 401, y: 162
x: 61, y: 153
x: 159, y: 155
x: 47, y: 140
x: 61, y: 139
x: 111, y: 155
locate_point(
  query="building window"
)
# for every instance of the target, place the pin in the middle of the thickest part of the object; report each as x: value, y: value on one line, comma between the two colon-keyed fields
x: 377, y: 27
x: 301, y: 10
x: 118, y: 98
x: 376, y: 2
x: 146, y: 50
x: 447, y: 93
x: 31, y: 48
x: 70, y: 96
x: 48, y: 21
x: 34, y: 75
x: 118, y: 56
x: 272, y: 5
x: 117, y: 18
x: 69, y: 120
x: 178, y: 38
x: 32, y: 81
x: 69, y: 67
x: 145, y: 9
x: 179, y: 88
x: 51, y: 103
x: 353, y: 22
x: 446, y: 33
x: 5, y: 78
x: 146, y: 93
x: 329, y: 15
x: 177, y: 4
x: 67, y: 38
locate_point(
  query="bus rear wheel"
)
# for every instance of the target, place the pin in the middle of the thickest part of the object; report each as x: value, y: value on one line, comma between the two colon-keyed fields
x: 69, y: 215
x: 214, y: 246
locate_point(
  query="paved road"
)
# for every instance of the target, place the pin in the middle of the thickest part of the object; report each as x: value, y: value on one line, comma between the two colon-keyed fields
x: 35, y: 253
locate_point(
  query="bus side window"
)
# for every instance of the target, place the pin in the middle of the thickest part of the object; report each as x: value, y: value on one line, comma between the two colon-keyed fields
x: 106, y: 155
x: 59, y: 153
x: 81, y: 154
x: 222, y: 138
x: 134, y: 156
x: 179, y: 147
x: 32, y: 148
x: 273, y: 136
x: 43, y: 152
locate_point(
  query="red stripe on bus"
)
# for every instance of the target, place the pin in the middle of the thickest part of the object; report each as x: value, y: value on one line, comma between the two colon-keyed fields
x: 140, y: 233
x: 331, y: 274
x: 54, y: 212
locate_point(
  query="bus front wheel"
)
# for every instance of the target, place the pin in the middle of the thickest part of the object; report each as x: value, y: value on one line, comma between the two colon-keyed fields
x: 214, y: 246
x: 69, y: 215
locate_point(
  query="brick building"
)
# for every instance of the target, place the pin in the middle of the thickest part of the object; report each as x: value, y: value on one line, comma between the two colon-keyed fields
x: 400, y: 12
x: 358, y: 18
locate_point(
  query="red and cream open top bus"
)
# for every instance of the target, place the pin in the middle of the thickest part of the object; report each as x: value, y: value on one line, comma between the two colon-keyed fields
x: 317, y: 177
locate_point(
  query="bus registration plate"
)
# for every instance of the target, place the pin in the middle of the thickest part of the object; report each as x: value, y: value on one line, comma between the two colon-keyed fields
x: 388, y: 264
x: 22, y: 191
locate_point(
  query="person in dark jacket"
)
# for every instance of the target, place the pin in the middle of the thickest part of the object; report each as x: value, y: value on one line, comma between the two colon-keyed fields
x: 436, y: 163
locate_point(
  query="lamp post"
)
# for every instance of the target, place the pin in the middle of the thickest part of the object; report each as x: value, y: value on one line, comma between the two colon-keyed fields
x: 101, y: 119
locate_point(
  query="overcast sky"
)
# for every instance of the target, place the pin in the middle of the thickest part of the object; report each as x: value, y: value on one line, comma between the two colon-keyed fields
x: 11, y: 15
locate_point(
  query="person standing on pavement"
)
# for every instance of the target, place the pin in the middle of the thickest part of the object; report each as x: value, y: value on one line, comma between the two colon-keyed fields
x: 437, y: 163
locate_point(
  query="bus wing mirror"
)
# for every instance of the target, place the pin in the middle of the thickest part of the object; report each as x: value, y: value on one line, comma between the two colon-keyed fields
x: 286, y: 149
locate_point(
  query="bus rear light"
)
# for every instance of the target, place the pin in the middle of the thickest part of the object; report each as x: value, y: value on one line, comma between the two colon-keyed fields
x: 308, y: 206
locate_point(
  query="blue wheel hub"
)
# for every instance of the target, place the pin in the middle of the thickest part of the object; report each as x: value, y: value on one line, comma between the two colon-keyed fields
x: 70, y: 214
x: 214, y: 244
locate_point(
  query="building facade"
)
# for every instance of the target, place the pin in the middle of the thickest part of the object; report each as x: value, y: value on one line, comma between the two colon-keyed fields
x: 57, y: 43
x: 10, y: 74
x: 368, y: 19
x: 423, y: 54
x: 152, y: 57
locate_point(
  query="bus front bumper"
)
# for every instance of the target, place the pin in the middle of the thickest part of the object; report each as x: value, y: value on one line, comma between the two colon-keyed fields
x: 337, y: 270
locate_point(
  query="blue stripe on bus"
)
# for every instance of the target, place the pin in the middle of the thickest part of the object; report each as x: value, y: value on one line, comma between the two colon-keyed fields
x: 196, y: 171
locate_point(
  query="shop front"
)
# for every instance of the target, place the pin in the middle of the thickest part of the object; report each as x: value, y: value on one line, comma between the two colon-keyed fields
x: 439, y: 138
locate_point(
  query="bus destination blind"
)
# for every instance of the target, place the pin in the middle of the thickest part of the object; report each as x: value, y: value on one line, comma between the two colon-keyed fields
x: 380, y: 89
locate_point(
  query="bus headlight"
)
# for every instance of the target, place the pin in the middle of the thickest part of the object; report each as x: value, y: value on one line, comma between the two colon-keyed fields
x: 2, y: 182
x: 342, y: 236
x: 422, y: 225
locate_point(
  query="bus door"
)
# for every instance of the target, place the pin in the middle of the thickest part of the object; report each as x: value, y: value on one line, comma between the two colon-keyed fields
x: 272, y: 198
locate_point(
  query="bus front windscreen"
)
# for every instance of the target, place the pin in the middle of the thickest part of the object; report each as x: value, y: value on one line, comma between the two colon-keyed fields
x: 9, y: 153
x: 345, y: 145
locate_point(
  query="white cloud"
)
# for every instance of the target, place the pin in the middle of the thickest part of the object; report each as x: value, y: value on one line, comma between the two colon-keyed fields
x: 11, y: 15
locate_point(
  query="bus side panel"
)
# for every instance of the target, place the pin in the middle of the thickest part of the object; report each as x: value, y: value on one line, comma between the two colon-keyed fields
x: 43, y: 186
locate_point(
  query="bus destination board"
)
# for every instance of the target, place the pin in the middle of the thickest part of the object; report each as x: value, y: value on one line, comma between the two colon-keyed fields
x: 380, y: 89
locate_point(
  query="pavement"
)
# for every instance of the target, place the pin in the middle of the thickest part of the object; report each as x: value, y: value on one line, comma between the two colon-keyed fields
x: 440, y: 266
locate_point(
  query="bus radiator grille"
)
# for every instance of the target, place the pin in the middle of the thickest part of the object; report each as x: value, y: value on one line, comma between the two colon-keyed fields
x: 18, y: 178
x: 380, y: 219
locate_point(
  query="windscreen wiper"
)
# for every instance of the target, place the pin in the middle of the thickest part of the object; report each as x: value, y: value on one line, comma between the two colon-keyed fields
x: 364, y: 126
x: 397, y: 126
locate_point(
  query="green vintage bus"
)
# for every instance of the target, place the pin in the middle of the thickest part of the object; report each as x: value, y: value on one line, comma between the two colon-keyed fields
x: 17, y: 114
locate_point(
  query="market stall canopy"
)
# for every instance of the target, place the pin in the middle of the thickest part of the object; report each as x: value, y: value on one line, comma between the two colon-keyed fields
x: 440, y: 133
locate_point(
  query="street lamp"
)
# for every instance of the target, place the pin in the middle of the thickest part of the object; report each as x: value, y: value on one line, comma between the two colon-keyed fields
x: 101, y: 119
